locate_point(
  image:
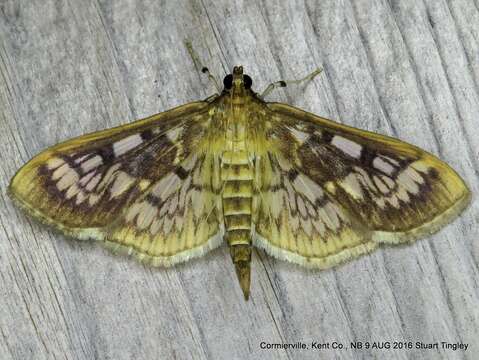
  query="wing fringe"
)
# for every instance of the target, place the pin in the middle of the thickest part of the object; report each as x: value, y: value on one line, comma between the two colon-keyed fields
x: 321, y: 263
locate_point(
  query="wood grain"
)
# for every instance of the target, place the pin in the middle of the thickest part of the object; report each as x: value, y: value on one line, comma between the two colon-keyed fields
x: 400, y: 67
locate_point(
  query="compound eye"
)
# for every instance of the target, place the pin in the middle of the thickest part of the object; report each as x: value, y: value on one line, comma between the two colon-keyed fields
x: 247, y: 82
x: 228, y: 81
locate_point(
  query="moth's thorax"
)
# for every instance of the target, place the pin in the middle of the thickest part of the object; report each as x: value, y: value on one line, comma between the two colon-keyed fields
x: 239, y: 96
x: 235, y: 127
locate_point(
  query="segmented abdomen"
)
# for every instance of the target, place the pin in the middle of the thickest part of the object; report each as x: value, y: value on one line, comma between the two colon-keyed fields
x: 237, y: 176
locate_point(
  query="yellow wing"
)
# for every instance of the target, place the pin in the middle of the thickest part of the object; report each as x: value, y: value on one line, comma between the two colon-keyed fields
x: 329, y: 192
x: 115, y: 184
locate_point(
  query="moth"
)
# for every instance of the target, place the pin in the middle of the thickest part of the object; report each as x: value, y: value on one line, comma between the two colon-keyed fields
x: 236, y: 169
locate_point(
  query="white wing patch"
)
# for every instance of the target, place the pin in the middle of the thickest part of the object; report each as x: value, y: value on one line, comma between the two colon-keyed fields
x: 382, y: 165
x: 299, y: 135
x: 391, y: 188
x: 122, y: 183
x: 91, y: 163
x: 93, y: 184
x: 347, y: 146
x: 124, y: 145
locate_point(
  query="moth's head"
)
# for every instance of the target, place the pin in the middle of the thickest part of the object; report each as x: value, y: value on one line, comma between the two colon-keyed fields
x: 237, y: 82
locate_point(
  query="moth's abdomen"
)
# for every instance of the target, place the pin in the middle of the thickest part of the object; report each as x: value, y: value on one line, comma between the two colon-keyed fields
x: 237, y: 177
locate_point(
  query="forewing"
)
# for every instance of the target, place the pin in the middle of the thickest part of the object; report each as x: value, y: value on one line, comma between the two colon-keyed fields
x: 86, y: 186
x: 390, y: 191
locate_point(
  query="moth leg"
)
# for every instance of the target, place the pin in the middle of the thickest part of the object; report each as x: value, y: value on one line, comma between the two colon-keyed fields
x: 199, y: 64
x: 283, y: 83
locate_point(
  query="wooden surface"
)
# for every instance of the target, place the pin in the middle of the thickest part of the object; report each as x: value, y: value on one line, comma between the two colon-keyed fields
x: 405, y: 68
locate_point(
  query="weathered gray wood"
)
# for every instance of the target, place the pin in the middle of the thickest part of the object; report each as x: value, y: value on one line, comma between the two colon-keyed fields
x: 401, y: 67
